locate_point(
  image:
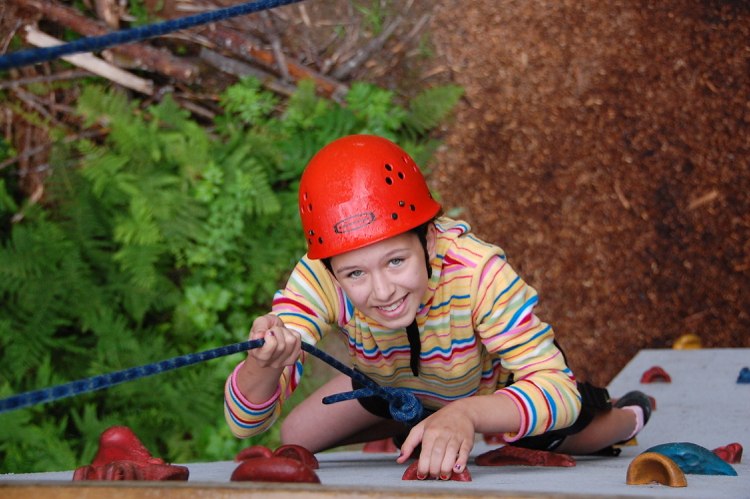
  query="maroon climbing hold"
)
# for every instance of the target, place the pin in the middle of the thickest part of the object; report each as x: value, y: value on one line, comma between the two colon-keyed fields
x: 510, y: 455
x: 288, y: 463
x: 731, y: 453
x: 253, y: 451
x: 274, y: 469
x: 122, y: 456
x: 301, y: 454
x: 385, y: 445
x: 494, y: 438
x: 411, y: 474
x: 656, y: 374
x: 131, y: 470
x: 291, y: 451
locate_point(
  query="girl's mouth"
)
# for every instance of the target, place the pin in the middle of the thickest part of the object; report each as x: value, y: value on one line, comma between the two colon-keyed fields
x: 393, y: 307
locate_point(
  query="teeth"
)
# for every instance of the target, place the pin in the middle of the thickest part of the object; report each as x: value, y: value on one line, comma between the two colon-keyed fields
x: 391, y: 308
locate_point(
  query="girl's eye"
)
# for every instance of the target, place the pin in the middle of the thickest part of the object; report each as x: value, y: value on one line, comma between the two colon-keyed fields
x: 354, y: 274
x: 395, y: 262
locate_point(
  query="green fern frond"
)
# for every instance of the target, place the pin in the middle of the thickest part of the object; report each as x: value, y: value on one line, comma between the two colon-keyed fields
x: 7, y: 203
x: 304, y: 107
x: 102, y: 170
x: 431, y: 107
x: 247, y: 103
x: 107, y: 106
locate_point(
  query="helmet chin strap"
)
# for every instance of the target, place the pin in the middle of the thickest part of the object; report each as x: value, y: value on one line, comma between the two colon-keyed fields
x: 412, y: 330
x: 415, y: 346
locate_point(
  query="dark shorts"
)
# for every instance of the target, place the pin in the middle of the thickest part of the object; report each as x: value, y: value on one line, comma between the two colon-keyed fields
x: 593, y: 400
x: 376, y: 405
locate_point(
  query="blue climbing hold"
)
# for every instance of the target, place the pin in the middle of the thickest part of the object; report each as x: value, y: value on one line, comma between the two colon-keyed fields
x: 744, y: 376
x: 694, y: 459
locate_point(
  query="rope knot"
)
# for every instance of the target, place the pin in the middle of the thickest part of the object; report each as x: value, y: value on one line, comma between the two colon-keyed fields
x: 403, y: 404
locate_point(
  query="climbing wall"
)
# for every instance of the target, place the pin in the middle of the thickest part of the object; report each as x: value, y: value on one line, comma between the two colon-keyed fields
x: 701, y: 404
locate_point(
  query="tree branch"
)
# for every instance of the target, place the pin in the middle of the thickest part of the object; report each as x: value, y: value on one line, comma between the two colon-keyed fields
x: 138, y: 54
x: 92, y: 63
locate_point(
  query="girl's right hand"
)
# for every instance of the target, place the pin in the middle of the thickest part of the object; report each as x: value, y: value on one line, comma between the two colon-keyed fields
x: 282, y: 346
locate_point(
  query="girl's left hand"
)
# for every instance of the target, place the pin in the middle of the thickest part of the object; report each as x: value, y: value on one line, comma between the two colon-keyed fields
x: 447, y: 438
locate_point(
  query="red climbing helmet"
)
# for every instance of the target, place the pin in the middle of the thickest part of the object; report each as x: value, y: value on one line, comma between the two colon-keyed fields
x: 359, y: 190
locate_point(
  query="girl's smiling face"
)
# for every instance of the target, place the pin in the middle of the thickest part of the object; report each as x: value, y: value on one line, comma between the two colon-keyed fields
x: 386, y: 280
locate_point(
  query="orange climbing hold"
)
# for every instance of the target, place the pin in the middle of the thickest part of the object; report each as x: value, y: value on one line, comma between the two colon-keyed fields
x: 652, y: 467
x: 688, y: 341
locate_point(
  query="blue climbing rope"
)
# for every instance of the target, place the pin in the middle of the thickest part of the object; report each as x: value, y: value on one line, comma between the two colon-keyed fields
x: 404, y: 406
x: 95, y: 43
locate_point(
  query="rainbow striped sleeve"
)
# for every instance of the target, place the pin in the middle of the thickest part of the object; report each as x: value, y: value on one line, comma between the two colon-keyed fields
x: 303, y: 308
x: 544, y: 388
x: 311, y: 301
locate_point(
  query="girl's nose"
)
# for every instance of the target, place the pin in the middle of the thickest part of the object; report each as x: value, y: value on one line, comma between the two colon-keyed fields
x: 382, y: 288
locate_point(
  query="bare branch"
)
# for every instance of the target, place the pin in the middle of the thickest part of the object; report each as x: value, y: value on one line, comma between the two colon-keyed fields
x: 62, y: 75
x: 92, y: 63
x: 240, y: 69
x: 109, y: 12
x: 243, y: 46
x: 33, y: 151
x: 366, y: 52
x: 137, y: 54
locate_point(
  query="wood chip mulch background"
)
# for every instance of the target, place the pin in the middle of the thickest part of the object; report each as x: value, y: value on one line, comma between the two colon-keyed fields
x: 605, y: 146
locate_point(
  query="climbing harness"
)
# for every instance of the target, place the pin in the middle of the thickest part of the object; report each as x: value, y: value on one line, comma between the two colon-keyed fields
x: 95, y: 43
x: 403, y: 405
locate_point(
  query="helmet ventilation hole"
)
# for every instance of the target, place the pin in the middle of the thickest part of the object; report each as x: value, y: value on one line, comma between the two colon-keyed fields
x: 394, y: 216
x: 389, y: 180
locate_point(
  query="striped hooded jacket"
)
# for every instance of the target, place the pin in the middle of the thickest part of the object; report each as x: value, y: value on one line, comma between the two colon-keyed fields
x: 478, y: 332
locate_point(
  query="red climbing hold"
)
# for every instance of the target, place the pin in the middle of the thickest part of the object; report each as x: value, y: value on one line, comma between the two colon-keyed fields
x: 274, y: 469
x: 122, y: 456
x: 510, y: 455
x: 731, y: 453
x: 656, y: 374
x: 301, y: 454
x: 411, y: 474
x: 494, y: 438
x: 385, y: 445
x: 288, y: 463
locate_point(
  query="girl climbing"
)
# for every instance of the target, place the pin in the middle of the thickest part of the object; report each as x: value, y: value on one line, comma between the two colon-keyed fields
x: 422, y: 304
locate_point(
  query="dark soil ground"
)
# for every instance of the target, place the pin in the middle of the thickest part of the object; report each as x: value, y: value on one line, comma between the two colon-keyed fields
x: 604, y: 146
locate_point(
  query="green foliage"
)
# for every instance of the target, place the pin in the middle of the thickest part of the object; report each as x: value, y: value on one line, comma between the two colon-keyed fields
x: 163, y: 239
x: 373, y: 13
x: 142, y: 13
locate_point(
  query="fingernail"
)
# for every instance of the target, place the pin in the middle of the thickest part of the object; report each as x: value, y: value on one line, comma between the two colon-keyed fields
x: 457, y: 467
x: 271, y: 333
x: 444, y: 477
x: 421, y: 477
